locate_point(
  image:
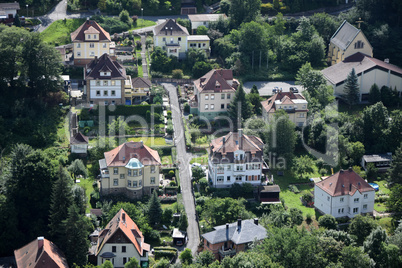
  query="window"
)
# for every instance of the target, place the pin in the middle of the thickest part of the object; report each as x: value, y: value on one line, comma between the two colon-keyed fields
x: 113, y: 82
x: 122, y: 176
x: 328, y: 198
x: 222, y: 106
x: 129, y: 173
x: 203, y: 44
x: 128, y: 183
x: 228, y: 96
x: 152, y: 169
x: 206, y: 97
x: 365, y: 196
x: 212, y: 106
x: 206, y: 106
x: 179, y: 39
x: 115, y: 182
x: 94, y: 36
x: 140, y: 172
x: 78, y: 54
x: 250, y: 178
x: 123, y: 249
x: 113, y: 248
x: 139, y: 183
x: 239, y: 168
x: 355, y: 210
x: 171, y: 40
x: 164, y: 39
x: 135, y: 173
x: 78, y: 45
x: 91, y: 45
x: 135, y: 184
x: 115, y: 171
x: 228, y: 178
x: 212, y: 96
x: 113, y: 102
x: 105, y: 93
x: 105, y: 83
x: 104, y: 74
x: 98, y: 93
x: 113, y: 93
x: 152, y: 180
x: 92, y: 53
x: 104, y: 45
x: 222, y: 96
x: 97, y: 82
x: 340, y: 211
x: 89, y: 36
x: 356, y: 200
x: 301, y: 115
x: 359, y: 44
x: 229, y: 167
x: 219, y: 178
x: 124, y: 260
x: 365, y: 207
x: 238, y: 178
x: 342, y: 199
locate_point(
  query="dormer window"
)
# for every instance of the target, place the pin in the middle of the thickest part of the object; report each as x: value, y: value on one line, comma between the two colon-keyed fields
x: 89, y: 36
x: 91, y: 45
x: 359, y: 44
x: 78, y: 45
x: 94, y: 36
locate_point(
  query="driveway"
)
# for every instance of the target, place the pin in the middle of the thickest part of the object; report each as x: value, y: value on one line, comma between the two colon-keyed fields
x: 184, y: 169
x: 265, y: 87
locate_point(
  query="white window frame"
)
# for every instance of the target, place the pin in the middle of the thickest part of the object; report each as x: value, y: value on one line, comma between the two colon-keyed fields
x: 115, y: 171
x: 206, y: 97
x: 212, y: 96
x: 115, y: 182
x: 135, y: 184
x: 152, y: 180
x: 152, y: 169
x: 212, y: 106
x: 365, y: 196
x: 206, y: 107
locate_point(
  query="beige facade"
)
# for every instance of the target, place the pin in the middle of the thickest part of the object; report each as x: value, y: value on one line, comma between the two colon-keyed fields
x: 215, y: 102
x: 86, y: 51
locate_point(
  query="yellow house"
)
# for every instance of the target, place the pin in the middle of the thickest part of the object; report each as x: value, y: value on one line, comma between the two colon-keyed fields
x: 294, y: 104
x: 90, y: 40
x: 175, y: 39
x: 131, y: 169
x: 346, y: 41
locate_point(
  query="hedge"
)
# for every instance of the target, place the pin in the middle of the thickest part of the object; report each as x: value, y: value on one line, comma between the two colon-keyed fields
x: 165, y: 171
x: 167, y: 252
x: 127, y: 110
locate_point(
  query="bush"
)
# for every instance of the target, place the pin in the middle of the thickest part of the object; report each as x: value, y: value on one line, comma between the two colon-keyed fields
x: 190, y: 116
x: 186, y: 108
x: 155, y: 74
x: 293, y: 188
x: 169, y: 114
x: 138, y: 44
x: 327, y: 221
x: 309, y: 218
x: 171, y: 173
x: 172, y: 183
x: 139, y: 59
x: 132, y: 71
x: 178, y: 74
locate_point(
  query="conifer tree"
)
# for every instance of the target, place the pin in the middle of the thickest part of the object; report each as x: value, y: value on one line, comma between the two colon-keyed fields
x: 154, y: 209
x: 352, y: 88
x: 395, y: 173
x: 240, y: 108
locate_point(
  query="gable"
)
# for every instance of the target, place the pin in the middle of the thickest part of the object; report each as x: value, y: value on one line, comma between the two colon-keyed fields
x: 119, y: 237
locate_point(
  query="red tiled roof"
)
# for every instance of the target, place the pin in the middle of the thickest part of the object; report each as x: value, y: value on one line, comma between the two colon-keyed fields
x: 217, y: 81
x: 344, y: 182
x: 121, y: 221
x: 79, y: 138
x: 40, y: 253
x: 79, y: 34
x: 128, y: 150
x: 232, y: 143
x: 104, y: 63
x: 269, y: 105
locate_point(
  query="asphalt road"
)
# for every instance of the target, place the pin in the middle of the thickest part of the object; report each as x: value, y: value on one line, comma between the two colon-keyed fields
x: 184, y: 169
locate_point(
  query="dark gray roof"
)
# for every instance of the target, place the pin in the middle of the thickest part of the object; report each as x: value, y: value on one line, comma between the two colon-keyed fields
x: 377, y: 158
x: 270, y: 189
x: 170, y: 27
x: 344, y: 36
x: 95, y: 67
x: 245, y: 234
x: 8, y: 6
x: 140, y: 82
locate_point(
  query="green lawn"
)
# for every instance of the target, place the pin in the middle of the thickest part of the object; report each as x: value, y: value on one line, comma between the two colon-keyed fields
x: 140, y: 72
x: 386, y: 223
x: 87, y: 185
x: 203, y: 160
x: 58, y: 33
x: 380, y: 207
x: 166, y: 160
x: 383, y: 188
x: 150, y: 141
x: 142, y: 23
x: 62, y: 133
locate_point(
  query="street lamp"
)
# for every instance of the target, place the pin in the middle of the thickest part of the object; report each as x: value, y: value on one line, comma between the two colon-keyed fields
x: 142, y: 16
x: 27, y: 10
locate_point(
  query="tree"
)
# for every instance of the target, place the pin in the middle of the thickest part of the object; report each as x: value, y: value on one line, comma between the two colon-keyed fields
x: 309, y: 78
x: 395, y: 172
x: 60, y: 201
x: 77, y: 168
x: 374, y: 245
x: 200, y: 68
x: 17, y: 21
x: 244, y: 10
x: 361, y: 227
x: 375, y: 126
x: 107, y: 264
x: 79, y: 198
x: 303, y: 166
x: 75, y: 244
x: 394, y: 202
x: 205, y: 258
x: 256, y: 32
x: 186, y: 256
x: 183, y: 223
x: 254, y: 90
x: 202, y: 30
x: 354, y: 257
x: 132, y: 263
x: 154, y: 209
x: 239, y: 108
x: 218, y: 211
x: 197, y: 173
x: 162, y: 263
x: 351, y: 90
x: 118, y: 127
x: 327, y: 221
x: 124, y: 16
x: 255, y: 100
x: 374, y: 95
x: 296, y: 215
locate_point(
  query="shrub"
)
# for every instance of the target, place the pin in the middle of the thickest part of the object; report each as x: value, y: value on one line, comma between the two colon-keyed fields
x: 132, y: 71
x: 139, y: 59
x: 172, y: 183
x: 309, y: 218
x: 171, y: 173
x: 178, y: 74
x: 138, y: 44
x: 190, y: 116
x: 169, y: 130
x: 155, y: 74
x: 327, y: 221
x: 186, y: 108
x: 293, y: 188
x: 169, y: 114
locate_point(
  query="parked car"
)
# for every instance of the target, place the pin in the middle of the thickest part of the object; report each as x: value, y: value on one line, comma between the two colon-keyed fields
x: 294, y: 90
x: 275, y: 90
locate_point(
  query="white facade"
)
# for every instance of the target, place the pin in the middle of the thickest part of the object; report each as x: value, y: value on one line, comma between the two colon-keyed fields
x: 121, y: 257
x: 106, y: 89
x: 345, y: 205
x: 79, y: 148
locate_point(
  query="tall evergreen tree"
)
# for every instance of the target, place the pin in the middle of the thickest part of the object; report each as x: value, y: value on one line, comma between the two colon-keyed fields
x: 352, y: 88
x: 60, y: 201
x: 395, y: 173
x: 75, y: 244
x: 254, y: 89
x: 183, y: 223
x: 375, y: 95
x: 79, y: 198
x: 154, y: 209
x: 240, y: 106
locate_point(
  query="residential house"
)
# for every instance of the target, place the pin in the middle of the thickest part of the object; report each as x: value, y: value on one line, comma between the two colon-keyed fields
x: 203, y: 20
x: 294, y: 104
x: 230, y: 239
x: 90, y: 40
x: 140, y: 91
x: 382, y: 162
x: 105, y: 81
x: 175, y: 39
x: 213, y: 93
x: 8, y: 11
x: 345, y: 42
x: 79, y: 144
x: 40, y: 253
x: 120, y: 241
x: 131, y: 168
x: 236, y: 158
x: 344, y: 194
x: 369, y: 71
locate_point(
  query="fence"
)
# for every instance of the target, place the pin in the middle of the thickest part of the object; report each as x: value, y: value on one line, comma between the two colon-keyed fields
x: 172, y: 80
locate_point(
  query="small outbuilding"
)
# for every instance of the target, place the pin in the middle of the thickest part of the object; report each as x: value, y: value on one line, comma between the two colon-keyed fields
x: 79, y: 144
x: 382, y: 162
x: 269, y: 194
x: 179, y: 237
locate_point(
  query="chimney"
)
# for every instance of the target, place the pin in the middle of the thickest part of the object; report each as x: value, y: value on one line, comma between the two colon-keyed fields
x: 40, y: 243
x: 350, y: 187
x: 238, y: 224
x: 256, y: 221
x: 350, y: 169
x: 227, y: 226
x: 123, y: 217
x: 141, y: 143
x: 386, y: 60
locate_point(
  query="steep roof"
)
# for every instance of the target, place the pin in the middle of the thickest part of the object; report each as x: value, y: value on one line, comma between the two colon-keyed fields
x: 284, y: 97
x: 344, y: 182
x: 122, y: 154
x: 8, y: 6
x: 217, y: 81
x: 246, y: 233
x: 235, y: 141
x: 170, y: 27
x: 121, y: 222
x: 140, y: 82
x: 361, y: 63
x: 344, y: 36
x: 40, y: 253
x: 104, y: 64
x: 89, y: 26
x: 79, y: 138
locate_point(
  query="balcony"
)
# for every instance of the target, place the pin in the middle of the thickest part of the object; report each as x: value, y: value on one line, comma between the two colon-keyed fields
x: 105, y: 173
x: 172, y: 44
x: 227, y: 252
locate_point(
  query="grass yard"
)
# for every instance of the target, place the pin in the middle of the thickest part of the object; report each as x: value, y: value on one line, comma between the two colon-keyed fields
x: 380, y: 207
x: 58, y: 33
x: 142, y: 23
x: 166, y: 160
x: 140, y: 71
x: 383, y: 188
x: 150, y: 141
x: 203, y: 160
x: 62, y: 133
x: 386, y: 223
x: 87, y: 185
